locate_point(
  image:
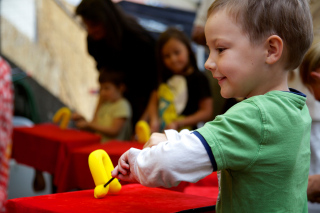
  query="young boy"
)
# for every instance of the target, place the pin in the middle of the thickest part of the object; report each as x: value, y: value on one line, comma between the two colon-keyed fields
x: 113, y: 117
x: 260, y: 145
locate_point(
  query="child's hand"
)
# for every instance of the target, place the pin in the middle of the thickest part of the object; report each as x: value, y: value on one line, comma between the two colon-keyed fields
x: 82, y: 124
x: 155, y: 139
x: 174, y: 125
x: 122, y: 171
x: 76, y: 116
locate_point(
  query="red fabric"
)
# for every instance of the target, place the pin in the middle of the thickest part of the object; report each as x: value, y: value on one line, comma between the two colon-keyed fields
x: 205, y: 191
x: 207, y: 187
x: 76, y: 172
x: 210, y: 180
x: 132, y: 198
x: 46, y: 147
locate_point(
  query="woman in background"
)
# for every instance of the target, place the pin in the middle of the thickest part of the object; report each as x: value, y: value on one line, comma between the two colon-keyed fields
x: 117, y: 42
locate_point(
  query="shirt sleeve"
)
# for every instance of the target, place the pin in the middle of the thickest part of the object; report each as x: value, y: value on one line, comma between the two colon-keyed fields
x: 181, y: 158
x: 236, y: 137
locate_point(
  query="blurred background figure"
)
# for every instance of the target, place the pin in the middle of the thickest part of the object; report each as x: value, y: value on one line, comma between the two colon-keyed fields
x: 184, y: 97
x: 310, y: 77
x: 200, y: 21
x: 113, y: 117
x: 6, y: 114
x: 117, y: 42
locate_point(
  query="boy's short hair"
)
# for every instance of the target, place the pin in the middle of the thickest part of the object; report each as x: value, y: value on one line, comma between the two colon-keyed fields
x: 114, y: 77
x: 289, y: 19
x: 310, y: 63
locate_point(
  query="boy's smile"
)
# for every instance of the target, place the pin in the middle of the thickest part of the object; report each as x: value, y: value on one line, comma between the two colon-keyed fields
x: 238, y: 65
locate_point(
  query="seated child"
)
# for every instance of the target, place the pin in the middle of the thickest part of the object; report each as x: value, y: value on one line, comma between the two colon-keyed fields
x: 179, y: 101
x: 112, y: 118
x: 260, y: 146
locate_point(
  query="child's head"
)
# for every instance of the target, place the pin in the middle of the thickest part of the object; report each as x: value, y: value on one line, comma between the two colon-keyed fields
x: 111, y: 85
x: 289, y: 19
x: 175, y: 55
x: 310, y: 70
x: 247, y: 39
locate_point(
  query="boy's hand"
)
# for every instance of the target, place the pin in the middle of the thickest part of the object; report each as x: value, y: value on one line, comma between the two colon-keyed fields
x: 155, y: 139
x: 122, y: 171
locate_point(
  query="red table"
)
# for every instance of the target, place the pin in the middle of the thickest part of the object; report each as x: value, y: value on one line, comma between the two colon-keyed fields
x: 76, y: 172
x: 132, y: 198
x: 45, y: 147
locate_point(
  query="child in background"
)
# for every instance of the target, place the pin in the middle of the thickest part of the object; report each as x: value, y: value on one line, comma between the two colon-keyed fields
x: 310, y: 77
x: 184, y: 98
x: 261, y: 146
x: 113, y: 117
x: 310, y: 70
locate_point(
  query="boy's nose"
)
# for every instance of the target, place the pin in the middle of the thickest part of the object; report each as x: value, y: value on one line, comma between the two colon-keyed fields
x: 210, y: 65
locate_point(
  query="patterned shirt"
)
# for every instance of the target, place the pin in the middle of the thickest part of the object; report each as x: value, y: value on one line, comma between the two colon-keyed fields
x: 6, y: 112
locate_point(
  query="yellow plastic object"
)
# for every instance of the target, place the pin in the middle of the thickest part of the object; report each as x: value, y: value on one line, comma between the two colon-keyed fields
x: 63, y: 116
x: 143, y: 131
x: 101, y: 167
x: 167, y: 109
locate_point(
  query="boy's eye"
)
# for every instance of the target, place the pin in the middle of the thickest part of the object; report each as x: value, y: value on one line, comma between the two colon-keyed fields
x: 220, y: 50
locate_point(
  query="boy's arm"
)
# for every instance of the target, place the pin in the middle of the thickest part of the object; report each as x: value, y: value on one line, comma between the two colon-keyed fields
x: 182, y: 157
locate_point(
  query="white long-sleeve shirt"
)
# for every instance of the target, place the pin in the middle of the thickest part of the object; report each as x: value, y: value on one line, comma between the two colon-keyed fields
x: 182, y: 157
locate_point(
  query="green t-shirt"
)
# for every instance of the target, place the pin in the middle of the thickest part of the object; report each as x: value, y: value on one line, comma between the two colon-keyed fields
x: 262, y: 148
x: 109, y: 111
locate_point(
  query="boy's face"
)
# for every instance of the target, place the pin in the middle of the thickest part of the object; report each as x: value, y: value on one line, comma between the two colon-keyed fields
x: 233, y: 61
x: 109, y: 92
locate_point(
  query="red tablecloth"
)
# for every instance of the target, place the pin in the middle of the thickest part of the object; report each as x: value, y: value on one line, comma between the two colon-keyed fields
x: 132, y: 198
x: 46, y: 147
x: 76, y: 172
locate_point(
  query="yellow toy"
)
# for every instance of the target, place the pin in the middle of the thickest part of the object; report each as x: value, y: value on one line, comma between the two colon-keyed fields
x: 63, y: 115
x: 143, y: 131
x: 101, y: 167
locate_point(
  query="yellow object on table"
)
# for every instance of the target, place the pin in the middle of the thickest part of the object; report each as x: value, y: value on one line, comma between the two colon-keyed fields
x: 101, y: 167
x: 63, y: 116
x: 143, y: 131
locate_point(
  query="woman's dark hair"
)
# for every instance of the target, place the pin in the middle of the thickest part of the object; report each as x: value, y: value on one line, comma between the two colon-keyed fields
x: 114, y: 77
x: 162, y: 40
x: 116, y: 22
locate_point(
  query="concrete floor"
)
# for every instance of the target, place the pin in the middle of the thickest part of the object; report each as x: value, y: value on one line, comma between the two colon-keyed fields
x: 21, y: 180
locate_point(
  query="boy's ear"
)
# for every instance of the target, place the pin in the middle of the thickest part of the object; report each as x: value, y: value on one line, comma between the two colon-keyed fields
x: 274, y: 47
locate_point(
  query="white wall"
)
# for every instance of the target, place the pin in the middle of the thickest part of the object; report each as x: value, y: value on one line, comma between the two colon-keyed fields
x: 22, y: 14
